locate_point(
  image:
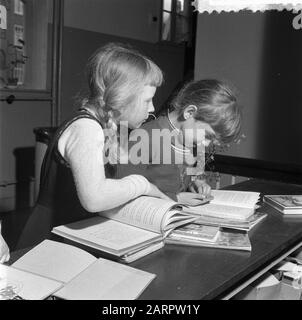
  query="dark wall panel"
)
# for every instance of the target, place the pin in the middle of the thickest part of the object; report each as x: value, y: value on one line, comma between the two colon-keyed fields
x: 260, y: 54
x: 279, y: 133
x: 80, y: 44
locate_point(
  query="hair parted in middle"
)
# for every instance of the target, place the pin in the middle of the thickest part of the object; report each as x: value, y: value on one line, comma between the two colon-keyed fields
x: 216, y: 105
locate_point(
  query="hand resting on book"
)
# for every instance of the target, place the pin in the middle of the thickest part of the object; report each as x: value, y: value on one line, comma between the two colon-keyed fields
x: 229, y: 204
x: 192, y: 199
x: 200, y: 186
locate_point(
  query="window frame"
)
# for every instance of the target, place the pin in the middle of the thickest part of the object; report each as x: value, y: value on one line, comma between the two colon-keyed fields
x: 49, y: 94
x: 173, y: 13
x: 17, y: 5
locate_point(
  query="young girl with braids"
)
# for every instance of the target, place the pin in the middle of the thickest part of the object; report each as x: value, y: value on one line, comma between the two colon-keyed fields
x: 209, y: 106
x: 75, y: 180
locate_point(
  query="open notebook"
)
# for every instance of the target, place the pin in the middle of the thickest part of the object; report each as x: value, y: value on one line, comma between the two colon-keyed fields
x: 71, y: 273
x: 18, y: 284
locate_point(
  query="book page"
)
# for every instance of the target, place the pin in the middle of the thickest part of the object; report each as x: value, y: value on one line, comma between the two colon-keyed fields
x: 244, y: 199
x: 55, y: 260
x: 105, y: 234
x: 222, y: 211
x: 28, y: 286
x: 106, y: 280
x: 175, y: 218
x: 144, y: 212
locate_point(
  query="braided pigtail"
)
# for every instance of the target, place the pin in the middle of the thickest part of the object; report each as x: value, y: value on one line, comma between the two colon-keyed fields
x: 111, y: 138
x: 116, y: 75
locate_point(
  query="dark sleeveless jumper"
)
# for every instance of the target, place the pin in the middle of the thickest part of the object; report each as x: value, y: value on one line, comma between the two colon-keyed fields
x: 58, y: 202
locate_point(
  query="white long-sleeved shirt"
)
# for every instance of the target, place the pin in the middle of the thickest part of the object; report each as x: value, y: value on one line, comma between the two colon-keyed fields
x: 82, y: 146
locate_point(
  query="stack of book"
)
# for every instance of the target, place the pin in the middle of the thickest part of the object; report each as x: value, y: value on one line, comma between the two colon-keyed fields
x: 144, y: 225
x: 231, y: 213
x: 128, y: 232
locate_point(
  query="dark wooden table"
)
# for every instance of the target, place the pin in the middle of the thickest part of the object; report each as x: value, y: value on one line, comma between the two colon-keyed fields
x: 194, y: 273
x: 205, y: 273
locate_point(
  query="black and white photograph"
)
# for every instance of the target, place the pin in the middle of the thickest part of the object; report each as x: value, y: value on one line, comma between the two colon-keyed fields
x: 148, y: 152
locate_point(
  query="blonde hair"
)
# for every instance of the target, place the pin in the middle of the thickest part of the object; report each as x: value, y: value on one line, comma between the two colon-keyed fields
x: 116, y: 75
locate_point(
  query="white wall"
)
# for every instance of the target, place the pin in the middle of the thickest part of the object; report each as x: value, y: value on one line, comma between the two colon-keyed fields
x: 133, y: 20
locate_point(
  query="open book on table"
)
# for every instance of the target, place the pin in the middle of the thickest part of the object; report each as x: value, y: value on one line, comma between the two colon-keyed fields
x: 67, y: 272
x: 130, y: 231
x: 229, y: 204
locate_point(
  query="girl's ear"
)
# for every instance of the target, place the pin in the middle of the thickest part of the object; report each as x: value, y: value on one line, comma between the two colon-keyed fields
x: 189, y: 111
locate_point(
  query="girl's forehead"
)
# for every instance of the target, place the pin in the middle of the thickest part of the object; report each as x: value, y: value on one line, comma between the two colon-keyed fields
x: 148, y: 91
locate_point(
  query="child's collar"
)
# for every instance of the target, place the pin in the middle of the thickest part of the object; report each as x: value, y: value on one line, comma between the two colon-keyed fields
x: 171, y: 123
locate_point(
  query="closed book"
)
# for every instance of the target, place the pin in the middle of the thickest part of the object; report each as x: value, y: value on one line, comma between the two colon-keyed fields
x: 196, y: 232
x: 227, y: 239
x: 286, y: 204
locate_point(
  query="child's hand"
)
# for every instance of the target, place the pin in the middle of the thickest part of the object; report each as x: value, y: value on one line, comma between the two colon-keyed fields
x: 200, y: 186
x: 190, y: 198
x: 4, y: 251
